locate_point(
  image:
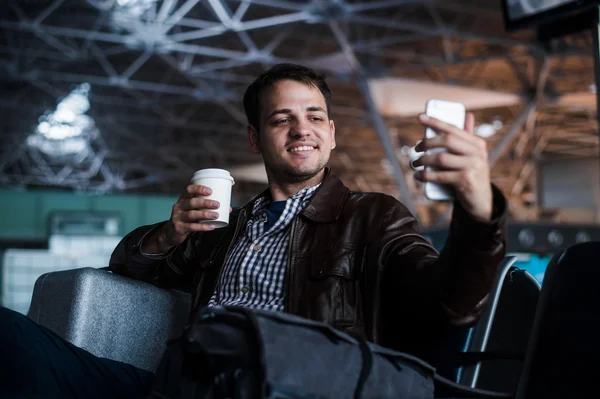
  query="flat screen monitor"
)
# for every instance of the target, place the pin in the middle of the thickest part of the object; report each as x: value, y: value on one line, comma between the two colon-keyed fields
x: 527, y: 13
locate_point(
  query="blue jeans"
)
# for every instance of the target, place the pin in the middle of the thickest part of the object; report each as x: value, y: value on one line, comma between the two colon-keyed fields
x: 37, y: 363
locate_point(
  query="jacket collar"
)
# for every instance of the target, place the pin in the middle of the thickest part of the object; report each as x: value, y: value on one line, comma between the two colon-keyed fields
x: 326, y: 203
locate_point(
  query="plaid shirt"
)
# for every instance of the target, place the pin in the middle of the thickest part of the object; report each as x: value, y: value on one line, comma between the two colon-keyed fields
x: 254, y: 272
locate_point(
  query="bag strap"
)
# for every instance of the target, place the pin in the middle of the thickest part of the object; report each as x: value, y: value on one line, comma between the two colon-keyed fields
x: 367, y: 366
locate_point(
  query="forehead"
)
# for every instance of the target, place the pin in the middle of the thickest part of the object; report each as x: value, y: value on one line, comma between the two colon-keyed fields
x: 291, y: 94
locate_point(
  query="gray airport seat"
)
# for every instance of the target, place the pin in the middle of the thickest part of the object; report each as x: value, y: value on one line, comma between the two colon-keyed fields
x: 504, y: 328
x: 111, y: 316
x: 561, y: 360
x: 503, y: 331
x: 563, y: 345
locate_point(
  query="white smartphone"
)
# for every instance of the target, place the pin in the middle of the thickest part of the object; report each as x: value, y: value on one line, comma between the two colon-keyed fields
x: 452, y: 113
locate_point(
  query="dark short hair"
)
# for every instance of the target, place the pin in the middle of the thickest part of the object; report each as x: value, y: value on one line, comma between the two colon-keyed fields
x: 279, y: 72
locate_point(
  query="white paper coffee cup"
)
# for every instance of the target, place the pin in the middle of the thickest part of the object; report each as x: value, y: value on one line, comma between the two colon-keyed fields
x: 220, y: 182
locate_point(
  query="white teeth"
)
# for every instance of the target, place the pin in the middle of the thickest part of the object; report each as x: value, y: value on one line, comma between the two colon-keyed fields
x: 303, y: 148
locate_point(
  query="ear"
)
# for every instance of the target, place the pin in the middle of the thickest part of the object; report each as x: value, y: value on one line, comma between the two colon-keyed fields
x: 332, y: 130
x: 253, y: 139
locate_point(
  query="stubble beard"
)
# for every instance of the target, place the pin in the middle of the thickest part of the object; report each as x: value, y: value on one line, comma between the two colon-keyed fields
x: 286, y: 174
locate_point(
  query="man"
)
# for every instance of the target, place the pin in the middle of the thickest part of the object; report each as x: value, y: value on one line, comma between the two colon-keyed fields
x: 310, y: 246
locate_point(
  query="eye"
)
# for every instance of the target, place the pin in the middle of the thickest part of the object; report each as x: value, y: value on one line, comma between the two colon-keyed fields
x: 315, y: 118
x: 280, y: 121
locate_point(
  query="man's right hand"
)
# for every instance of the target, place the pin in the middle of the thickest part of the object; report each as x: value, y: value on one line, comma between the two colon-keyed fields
x: 190, y: 213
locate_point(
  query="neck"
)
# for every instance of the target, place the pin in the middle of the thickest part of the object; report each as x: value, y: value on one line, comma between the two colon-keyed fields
x: 281, y: 191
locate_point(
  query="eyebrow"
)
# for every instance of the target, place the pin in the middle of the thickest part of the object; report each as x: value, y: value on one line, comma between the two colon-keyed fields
x: 314, y: 108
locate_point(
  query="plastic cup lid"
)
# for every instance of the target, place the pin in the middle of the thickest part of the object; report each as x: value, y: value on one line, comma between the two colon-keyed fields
x: 207, y: 173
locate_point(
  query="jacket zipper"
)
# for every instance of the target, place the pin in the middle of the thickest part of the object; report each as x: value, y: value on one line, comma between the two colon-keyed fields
x: 286, y: 304
x: 240, y: 222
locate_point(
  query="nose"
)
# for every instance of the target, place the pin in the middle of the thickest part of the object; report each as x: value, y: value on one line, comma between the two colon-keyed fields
x: 300, y: 129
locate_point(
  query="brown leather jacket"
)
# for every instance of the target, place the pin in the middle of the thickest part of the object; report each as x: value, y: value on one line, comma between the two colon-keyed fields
x: 356, y: 261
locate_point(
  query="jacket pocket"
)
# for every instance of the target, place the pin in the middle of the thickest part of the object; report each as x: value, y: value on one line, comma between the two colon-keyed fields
x: 344, y: 262
x: 335, y: 279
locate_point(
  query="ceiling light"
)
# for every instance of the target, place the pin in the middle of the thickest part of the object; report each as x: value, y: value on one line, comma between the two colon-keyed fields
x: 134, y: 8
x: 135, y: 3
x: 555, y: 238
x: 485, y: 130
x: 65, y: 130
x: 69, y: 119
x: 57, y: 148
x: 582, y: 236
x: 526, y: 238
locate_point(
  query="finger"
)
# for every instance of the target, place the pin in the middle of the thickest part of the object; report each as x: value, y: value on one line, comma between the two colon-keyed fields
x: 196, y: 203
x: 204, y: 203
x: 230, y: 209
x: 185, y: 196
x: 470, y: 123
x: 445, y: 161
x: 414, y: 165
x: 439, y: 176
x: 443, y: 127
x: 200, y: 227
x: 453, y: 143
x: 197, y: 216
x: 198, y: 189
x: 418, y: 146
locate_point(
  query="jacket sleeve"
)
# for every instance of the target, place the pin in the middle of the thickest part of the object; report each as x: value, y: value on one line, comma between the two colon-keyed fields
x: 174, y: 269
x: 453, y: 285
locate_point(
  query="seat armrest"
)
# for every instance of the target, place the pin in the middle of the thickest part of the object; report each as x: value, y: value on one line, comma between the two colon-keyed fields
x: 110, y: 315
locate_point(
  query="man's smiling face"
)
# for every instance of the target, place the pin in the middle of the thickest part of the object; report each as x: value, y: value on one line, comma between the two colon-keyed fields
x: 296, y: 136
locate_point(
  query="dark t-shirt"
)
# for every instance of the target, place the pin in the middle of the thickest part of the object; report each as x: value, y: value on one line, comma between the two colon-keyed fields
x: 273, y: 211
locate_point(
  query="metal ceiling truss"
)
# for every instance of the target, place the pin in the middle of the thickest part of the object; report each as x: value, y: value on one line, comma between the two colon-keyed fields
x: 180, y: 67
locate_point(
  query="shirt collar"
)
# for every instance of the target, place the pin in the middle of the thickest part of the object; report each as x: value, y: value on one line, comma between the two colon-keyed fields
x: 302, y: 197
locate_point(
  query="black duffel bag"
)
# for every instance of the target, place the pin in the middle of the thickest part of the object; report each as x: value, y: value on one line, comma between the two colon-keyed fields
x: 238, y: 353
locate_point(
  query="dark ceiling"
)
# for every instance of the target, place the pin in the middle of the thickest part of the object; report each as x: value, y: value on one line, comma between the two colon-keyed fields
x: 167, y: 79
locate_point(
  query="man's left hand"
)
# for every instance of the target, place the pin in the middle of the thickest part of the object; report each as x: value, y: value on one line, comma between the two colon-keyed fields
x: 464, y: 166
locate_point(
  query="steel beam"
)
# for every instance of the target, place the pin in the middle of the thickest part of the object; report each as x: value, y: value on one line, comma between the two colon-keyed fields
x: 174, y: 18
x: 426, y: 30
x: 218, y: 29
x: 241, y: 11
x: 165, y: 10
x: 137, y: 64
x: 377, y: 119
x: 221, y: 13
x: 345, y: 46
x: 388, y: 147
x: 281, y: 4
x: 233, y: 111
x: 47, y: 11
x: 69, y: 32
x: 103, y: 61
x: 514, y: 130
x: 197, y: 23
x: 124, y: 83
x: 378, y: 5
